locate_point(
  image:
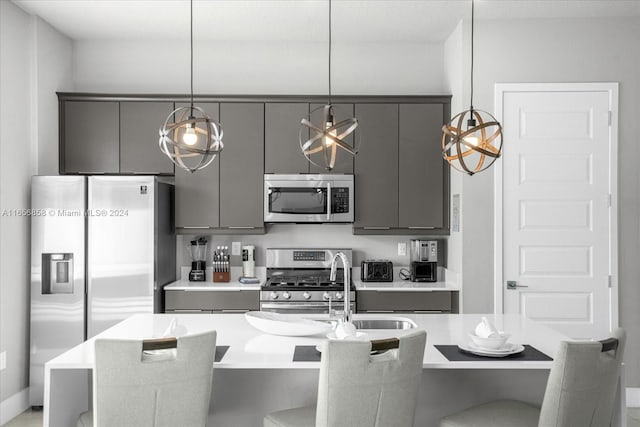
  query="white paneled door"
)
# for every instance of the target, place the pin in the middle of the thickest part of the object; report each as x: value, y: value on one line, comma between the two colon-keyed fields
x: 558, y: 219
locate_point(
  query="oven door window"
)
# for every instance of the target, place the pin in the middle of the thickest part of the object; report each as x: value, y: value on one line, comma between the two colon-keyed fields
x: 298, y: 200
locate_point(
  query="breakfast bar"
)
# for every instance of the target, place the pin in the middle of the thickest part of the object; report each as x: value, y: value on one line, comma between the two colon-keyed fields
x: 257, y: 373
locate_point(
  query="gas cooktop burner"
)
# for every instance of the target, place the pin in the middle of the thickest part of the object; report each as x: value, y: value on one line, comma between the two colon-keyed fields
x: 302, y: 282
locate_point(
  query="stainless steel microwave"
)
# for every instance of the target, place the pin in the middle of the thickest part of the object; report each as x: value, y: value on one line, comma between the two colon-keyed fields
x: 308, y: 198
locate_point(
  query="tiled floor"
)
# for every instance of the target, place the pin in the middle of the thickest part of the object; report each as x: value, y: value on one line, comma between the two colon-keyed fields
x: 31, y: 418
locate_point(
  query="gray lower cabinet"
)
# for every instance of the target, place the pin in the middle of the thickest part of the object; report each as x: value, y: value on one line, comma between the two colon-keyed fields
x: 282, y: 153
x: 406, y: 301
x: 140, y: 123
x: 376, y: 167
x: 424, y: 174
x: 211, y: 301
x: 89, y: 137
x: 198, y: 194
x: 344, y: 160
x: 241, y: 166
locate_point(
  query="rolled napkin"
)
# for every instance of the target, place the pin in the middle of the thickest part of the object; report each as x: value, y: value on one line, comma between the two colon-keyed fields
x: 345, y: 330
x: 486, y: 329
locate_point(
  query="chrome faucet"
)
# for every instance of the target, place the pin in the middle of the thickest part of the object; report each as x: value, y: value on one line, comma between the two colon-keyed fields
x: 346, y: 316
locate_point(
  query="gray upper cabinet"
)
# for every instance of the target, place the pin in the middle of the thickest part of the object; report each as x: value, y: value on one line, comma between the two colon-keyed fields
x: 282, y: 152
x: 198, y: 193
x: 241, y: 165
x: 423, y: 171
x: 376, y: 167
x: 344, y: 160
x: 139, y: 126
x: 89, y: 138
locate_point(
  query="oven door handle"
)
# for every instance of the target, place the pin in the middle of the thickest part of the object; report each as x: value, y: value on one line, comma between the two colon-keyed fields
x: 290, y: 306
x: 328, y: 201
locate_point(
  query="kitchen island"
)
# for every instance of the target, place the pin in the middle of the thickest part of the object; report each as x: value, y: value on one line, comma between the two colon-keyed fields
x: 257, y: 373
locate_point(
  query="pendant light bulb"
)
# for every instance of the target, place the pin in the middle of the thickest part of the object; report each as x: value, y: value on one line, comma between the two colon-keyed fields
x: 328, y: 142
x: 190, y: 136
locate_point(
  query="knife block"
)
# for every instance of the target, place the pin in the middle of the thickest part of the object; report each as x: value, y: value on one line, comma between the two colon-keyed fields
x: 221, y: 276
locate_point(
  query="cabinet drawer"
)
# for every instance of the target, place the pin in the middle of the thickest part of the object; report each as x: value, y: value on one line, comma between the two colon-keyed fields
x: 222, y: 301
x: 386, y: 301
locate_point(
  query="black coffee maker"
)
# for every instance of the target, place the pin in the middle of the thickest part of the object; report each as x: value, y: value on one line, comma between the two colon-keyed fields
x: 198, y: 253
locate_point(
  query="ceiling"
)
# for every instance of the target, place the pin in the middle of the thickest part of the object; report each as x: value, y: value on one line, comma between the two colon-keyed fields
x: 300, y: 20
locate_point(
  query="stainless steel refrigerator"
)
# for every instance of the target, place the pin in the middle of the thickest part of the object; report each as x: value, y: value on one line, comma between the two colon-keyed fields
x: 102, y: 249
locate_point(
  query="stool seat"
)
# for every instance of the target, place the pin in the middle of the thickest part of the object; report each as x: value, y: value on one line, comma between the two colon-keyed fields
x: 498, y: 413
x: 361, y: 388
x: 297, y: 417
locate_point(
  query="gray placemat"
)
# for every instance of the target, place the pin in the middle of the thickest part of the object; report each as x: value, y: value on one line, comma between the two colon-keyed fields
x: 454, y: 354
x: 221, y: 350
x: 306, y: 353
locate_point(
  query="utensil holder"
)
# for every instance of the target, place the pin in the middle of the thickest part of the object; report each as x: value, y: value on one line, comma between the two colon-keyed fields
x: 221, y: 276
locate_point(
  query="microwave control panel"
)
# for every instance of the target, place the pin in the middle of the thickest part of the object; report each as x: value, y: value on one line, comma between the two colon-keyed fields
x: 340, y: 200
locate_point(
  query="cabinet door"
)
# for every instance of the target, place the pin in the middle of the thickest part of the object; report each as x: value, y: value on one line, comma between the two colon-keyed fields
x: 422, y: 189
x: 281, y: 138
x: 241, y: 165
x: 198, y: 193
x: 376, y: 166
x: 90, y: 137
x: 139, y: 126
x: 344, y: 160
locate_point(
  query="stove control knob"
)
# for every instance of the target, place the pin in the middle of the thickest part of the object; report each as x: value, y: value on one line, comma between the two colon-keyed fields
x: 273, y: 295
x: 306, y: 295
x: 338, y: 295
x: 326, y: 296
x: 286, y: 295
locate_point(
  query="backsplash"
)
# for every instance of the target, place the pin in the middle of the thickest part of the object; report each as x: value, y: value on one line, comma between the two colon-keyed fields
x: 312, y: 236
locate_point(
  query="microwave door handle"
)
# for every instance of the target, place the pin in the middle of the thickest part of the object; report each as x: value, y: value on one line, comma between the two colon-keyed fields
x: 328, y: 201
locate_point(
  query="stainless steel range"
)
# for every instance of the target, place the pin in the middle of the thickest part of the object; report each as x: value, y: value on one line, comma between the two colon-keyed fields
x: 298, y: 281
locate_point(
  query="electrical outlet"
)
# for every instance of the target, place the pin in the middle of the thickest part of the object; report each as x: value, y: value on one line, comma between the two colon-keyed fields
x: 3, y: 360
x: 402, y: 249
x: 235, y: 248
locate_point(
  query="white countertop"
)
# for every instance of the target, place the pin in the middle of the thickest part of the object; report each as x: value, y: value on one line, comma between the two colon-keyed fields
x: 233, y: 285
x: 253, y: 349
x: 446, y: 282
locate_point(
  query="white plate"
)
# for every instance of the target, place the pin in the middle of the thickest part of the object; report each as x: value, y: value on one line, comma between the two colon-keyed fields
x: 517, y: 348
x: 507, y: 348
x: 359, y: 336
x: 285, y: 324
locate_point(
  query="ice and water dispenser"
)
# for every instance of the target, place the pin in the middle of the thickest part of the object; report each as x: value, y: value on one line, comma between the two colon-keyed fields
x: 57, y: 273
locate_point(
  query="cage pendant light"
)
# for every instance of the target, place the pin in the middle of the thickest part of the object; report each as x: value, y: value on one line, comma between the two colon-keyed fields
x: 472, y: 140
x: 189, y: 137
x: 327, y: 138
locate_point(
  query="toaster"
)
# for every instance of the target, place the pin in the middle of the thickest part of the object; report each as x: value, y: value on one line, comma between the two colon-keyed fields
x: 376, y: 271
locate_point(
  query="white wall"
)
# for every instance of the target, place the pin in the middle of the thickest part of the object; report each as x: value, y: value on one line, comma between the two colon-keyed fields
x: 258, y: 68
x: 53, y: 73
x: 35, y: 61
x: 16, y: 167
x: 578, y: 50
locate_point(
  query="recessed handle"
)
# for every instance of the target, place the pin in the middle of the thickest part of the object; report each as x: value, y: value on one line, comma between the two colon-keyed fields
x: 512, y: 284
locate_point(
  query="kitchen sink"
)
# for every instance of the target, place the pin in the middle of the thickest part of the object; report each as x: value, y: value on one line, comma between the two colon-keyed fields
x: 384, y: 324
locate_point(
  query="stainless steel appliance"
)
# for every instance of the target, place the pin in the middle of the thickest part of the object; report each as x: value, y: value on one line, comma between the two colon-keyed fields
x: 308, y: 198
x: 424, y: 260
x: 198, y: 253
x: 102, y: 248
x: 376, y: 271
x: 423, y: 250
x: 248, y: 261
x: 298, y: 281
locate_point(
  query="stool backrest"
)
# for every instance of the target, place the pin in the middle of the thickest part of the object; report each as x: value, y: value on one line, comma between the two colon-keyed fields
x: 142, y: 385
x: 357, y: 388
x: 582, y: 383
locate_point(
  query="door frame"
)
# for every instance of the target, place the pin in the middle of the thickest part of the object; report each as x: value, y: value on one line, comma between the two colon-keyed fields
x: 500, y: 89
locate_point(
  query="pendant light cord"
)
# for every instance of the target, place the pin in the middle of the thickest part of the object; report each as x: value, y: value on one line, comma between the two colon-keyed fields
x: 329, y: 52
x: 191, y: 59
x: 472, y: 25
